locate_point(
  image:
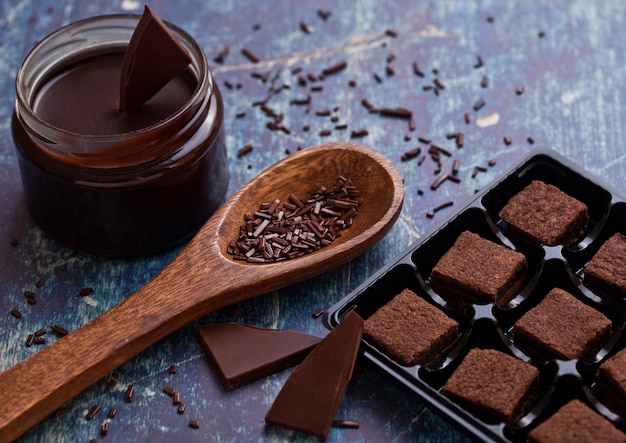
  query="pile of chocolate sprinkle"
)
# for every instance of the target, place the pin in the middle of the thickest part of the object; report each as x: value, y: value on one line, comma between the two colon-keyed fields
x: 285, y: 230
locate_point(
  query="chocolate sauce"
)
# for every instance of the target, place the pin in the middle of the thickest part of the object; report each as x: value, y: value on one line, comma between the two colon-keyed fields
x: 83, y: 99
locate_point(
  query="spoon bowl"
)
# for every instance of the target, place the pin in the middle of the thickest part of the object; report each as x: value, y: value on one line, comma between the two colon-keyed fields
x: 204, y: 278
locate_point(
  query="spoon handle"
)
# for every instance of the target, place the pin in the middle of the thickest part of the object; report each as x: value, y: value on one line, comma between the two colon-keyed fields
x: 37, y: 386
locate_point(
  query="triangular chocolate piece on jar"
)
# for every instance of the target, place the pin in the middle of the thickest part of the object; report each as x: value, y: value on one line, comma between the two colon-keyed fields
x: 154, y: 57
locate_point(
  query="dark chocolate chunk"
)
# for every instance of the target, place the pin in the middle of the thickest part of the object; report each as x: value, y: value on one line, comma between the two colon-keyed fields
x: 561, y: 326
x: 542, y: 213
x: 154, y: 56
x: 606, y: 272
x: 576, y: 422
x: 311, y: 395
x: 611, y: 382
x: 477, y: 270
x: 242, y: 353
x: 493, y: 385
x: 411, y: 330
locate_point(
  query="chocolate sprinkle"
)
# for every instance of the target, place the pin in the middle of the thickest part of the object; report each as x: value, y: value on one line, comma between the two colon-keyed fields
x: 459, y: 139
x: 478, y: 169
x: 92, y: 412
x: 244, y: 150
x: 397, y: 112
x: 442, y: 178
x: 15, y: 313
x: 169, y: 391
x: 359, y: 133
x: 317, y: 313
x: 410, y: 154
x: 129, y: 394
x: 424, y: 140
x: 455, y: 166
x: 417, y: 70
x: 219, y: 58
x: 323, y: 14
x: 83, y: 292
x: 305, y: 28
x: 370, y: 107
x: 345, y: 424
x: 335, y: 68
x: 60, y: 330
x: 250, y: 55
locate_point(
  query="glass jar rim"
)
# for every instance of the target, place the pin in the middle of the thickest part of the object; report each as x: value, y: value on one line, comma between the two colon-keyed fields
x: 76, y: 38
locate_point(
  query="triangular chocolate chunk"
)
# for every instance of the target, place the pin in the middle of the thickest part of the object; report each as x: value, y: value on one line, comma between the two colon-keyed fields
x: 154, y: 56
x: 243, y: 353
x: 311, y: 395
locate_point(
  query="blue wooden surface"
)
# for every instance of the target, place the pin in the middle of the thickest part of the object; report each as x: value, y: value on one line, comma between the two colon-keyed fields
x: 573, y: 77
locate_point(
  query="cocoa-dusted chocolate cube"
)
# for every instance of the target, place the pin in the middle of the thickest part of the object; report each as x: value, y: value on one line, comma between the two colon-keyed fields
x: 606, y: 272
x: 576, y: 421
x: 611, y: 382
x: 561, y: 326
x: 493, y: 385
x: 411, y: 330
x: 543, y: 214
x: 476, y: 270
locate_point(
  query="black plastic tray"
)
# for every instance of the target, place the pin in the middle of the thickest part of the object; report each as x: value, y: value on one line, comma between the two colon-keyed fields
x: 487, y: 326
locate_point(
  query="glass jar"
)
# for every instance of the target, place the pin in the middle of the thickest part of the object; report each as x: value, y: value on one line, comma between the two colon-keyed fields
x: 127, y: 192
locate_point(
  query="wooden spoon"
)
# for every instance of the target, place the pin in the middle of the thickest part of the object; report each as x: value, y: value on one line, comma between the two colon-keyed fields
x: 202, y: 279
